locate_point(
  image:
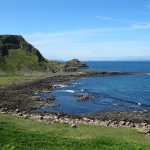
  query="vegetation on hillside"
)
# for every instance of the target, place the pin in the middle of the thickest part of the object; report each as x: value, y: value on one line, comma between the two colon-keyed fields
x: 16, y: 53
x: 20, y: 58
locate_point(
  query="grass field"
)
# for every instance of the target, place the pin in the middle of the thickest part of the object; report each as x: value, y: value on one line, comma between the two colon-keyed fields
x: 10, y: 78
x: 20, y: 134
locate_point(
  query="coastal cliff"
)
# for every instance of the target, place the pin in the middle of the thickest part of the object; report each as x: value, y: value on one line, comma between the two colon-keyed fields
x: 16, y: 53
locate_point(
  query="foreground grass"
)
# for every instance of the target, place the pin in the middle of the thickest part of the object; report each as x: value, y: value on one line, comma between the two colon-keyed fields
x: 20, y: 134
x: 11, y: 78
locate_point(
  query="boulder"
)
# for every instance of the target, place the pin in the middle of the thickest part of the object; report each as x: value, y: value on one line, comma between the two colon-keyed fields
x: 122, y: 123
x: 145, y: 111
x: 83, y: 98
x: 116, y: 104
x: 79, y: 95
x: 73, y: 126
x: 35, y: 97
x: 50, y: 98
x: 45, y: 91
x: 52, y: 105
x: 17, y: 110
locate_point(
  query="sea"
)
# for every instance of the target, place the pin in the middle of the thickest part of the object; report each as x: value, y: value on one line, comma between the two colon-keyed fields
x: 109, y: 93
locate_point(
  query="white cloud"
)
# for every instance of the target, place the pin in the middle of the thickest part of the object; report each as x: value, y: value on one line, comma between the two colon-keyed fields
x: 74, y: 33
x: 69, y: 36
x: 80, y: 36
x: 92, y: 50
x: 104, y: 18
x: 141, y: 26
x: 133, y: 24
x: 116, y: 20
x: 90, y: 44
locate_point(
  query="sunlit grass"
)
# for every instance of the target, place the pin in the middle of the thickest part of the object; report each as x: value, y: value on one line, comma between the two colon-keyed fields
x: 25, y: 134
x: 7, y: 79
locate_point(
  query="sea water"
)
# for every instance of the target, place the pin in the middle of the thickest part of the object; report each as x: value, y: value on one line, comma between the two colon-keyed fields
x: 118, y: 93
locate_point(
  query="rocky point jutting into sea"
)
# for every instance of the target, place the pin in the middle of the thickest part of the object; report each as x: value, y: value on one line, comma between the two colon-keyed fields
x: 21, y: 100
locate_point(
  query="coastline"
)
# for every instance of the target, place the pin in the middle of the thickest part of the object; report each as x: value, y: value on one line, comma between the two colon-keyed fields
x: 19, y: 99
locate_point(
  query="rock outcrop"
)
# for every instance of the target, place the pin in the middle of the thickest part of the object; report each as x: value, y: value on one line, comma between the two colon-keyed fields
x: 17, y: 53
x: 75, y: 63
x: 8, y: 42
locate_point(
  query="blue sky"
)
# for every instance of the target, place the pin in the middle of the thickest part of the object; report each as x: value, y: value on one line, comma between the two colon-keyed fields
x: 83, y: 29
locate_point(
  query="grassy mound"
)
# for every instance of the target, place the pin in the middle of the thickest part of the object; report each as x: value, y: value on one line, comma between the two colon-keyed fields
x: 75, y: 63
x: 17, y: 133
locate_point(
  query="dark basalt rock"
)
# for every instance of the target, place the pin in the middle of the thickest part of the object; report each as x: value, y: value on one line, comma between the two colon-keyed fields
x: 50, y: 98
x: 21, y: 96
x: 79, y: 95
x: 84, y: 98
x: 75, y: 63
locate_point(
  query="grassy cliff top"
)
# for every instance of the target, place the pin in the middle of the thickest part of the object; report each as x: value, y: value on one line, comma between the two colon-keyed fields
x: 18, y: 133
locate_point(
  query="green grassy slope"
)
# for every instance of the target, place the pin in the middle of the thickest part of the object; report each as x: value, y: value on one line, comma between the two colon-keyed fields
x: 19, y: 58
x: 16, y: 53
x: 17, y: 133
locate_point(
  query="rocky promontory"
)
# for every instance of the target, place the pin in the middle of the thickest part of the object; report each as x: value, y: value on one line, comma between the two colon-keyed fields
x: 21, y: 100
x: 75, y: 63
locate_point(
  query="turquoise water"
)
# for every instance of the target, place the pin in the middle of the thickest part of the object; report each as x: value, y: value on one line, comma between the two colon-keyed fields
x: 121, y: 93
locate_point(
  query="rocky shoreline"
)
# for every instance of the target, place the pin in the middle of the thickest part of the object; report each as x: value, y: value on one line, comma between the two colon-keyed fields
x: 20, y: 100
x: 140, y: 121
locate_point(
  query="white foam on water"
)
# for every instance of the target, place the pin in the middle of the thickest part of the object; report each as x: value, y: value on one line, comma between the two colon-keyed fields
x: 77, y: 83
x: 82, y: 90
x: 62, y: 85
x: 69, y: 91
x: 59, y: 85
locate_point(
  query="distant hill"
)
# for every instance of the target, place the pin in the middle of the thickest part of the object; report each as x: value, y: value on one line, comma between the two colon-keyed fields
x: 16, y: 53
x: 75, y: 63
